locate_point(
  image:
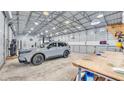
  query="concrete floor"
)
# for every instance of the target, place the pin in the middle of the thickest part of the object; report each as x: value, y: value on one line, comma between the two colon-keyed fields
x: 59, y: 69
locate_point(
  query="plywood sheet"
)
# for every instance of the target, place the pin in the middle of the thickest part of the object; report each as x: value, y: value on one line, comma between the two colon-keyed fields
x: 103, y: 64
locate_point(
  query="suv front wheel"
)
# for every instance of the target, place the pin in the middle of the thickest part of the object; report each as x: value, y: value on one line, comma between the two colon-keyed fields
x: 65, y: 54
x: 37, y: 59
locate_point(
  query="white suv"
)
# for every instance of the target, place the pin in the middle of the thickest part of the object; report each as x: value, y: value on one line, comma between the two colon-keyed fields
x: 47, y: 50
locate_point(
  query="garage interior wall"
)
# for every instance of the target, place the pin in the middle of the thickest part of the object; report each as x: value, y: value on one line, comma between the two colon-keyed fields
x: 88, y: 41
x: 1, y: 38
x: 6, y: 35
x: 27, y: 41
x: 6, y: 38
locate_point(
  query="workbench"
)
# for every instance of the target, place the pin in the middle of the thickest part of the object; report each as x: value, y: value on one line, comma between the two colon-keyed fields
x: 102, y: 65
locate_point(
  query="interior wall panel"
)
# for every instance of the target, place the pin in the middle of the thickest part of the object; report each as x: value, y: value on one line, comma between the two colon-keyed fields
x: 91, y: 35
x: 101, y: 35
x: 101, y: 48
x: 1, y: 39
x: 82, y: 36
x: 90, y: 49
x: 6, y: 39
x: 89, y: 39
x: 83, y: 49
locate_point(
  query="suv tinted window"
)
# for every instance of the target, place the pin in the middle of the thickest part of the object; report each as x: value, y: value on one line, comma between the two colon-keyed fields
x: 65, y: 44
x: 62, y: 44
x: 52, y: 45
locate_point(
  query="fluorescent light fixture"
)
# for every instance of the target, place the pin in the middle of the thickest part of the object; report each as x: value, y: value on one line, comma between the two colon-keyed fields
x: 100, y: 16
x: 79, y: 27
x: 10, y: 14
x: 46, y: 13
x: 29, y: 31
x: 95, y: 22
x: 67, y: 22
x: 32, y: 28
x: 57, y: 33
x: 41, y: 33
x: 71, y: 36
x: 54, y: 28
x: 65, y: 31
x: 36, y: 23
x: 46, y: 31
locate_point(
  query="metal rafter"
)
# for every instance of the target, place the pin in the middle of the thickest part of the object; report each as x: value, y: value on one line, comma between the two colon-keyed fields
x: 97, y: 27
x: 44, y: 24
x: 41, y: 27
x: 89, y: 19
x: 79, y: 22
x: 29, y: 17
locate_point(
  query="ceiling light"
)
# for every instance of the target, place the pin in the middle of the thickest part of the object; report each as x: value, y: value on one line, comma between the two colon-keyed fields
x: 71, y: 36
x: 32, y: 28
x: 10, y: 14
x: 41, y: 33
x: 29, y: 31
x: 54, y: 28
x: 46, y: 13
x: 95, y: 22
x: 57, y: 33
x: 100, y: 15
x: 36, y: 23
x: 65, y: 31
x: 67, y: 22
x: 46, y: 31
x: 79, y: 27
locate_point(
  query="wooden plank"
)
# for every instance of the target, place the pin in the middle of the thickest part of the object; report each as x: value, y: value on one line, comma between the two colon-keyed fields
x: 103, y: 64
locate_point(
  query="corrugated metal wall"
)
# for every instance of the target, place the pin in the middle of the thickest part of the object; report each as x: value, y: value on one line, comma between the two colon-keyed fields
x: 1, y: 38
x: 26, y: 42
x: 88, y: 41
x: 6, y: 35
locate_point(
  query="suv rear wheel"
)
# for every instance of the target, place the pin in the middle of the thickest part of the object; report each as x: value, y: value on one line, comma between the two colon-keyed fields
x: 65, y: 54
x: 37, y: 59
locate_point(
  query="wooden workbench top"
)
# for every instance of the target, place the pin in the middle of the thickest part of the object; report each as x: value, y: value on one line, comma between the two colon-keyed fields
x: 103, y: 64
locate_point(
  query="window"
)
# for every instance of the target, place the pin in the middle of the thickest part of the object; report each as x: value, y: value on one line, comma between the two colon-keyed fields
x: 62, y: 44
x: 65, y: 44
x: 52, y: 45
